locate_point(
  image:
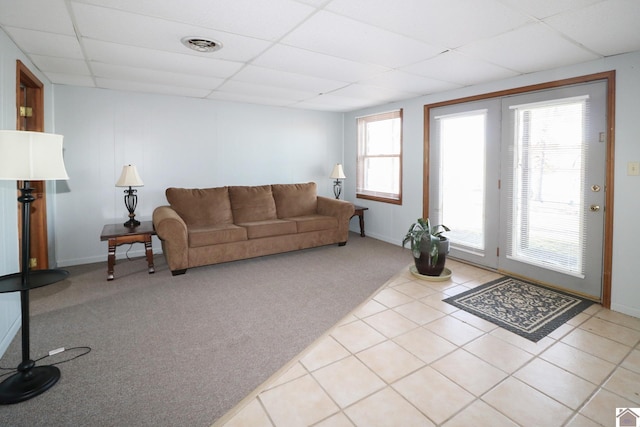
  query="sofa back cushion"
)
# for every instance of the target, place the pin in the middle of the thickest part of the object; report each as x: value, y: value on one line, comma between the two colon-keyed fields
x: 197, y: 207
x: 252, y: 203
x: 295, y: 199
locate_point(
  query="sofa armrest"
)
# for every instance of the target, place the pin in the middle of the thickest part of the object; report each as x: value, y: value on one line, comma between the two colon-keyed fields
x: 340, y: 209
x: 172, y: 231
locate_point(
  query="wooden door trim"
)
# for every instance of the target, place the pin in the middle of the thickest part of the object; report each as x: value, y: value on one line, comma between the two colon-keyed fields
x: 26, y: 77
x: 610, y: 78
x: 35, y: 96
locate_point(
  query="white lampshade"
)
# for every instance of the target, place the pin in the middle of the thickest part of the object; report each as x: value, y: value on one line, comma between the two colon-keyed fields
x: 337, y: 172
x: 31, y: 156
x: 129, y: 177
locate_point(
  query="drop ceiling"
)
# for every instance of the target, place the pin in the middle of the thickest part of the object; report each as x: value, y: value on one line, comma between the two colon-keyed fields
x: 330, y: 55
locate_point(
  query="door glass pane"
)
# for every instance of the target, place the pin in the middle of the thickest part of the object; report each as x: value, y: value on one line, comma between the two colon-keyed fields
x: 462, y: 178
x: 547, y: 226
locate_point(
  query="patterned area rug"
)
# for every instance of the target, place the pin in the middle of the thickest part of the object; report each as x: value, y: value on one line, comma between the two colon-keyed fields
x: 531, y: 311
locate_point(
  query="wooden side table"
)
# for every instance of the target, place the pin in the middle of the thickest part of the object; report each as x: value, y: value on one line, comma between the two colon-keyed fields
x: 118, y: 234
x: 359, y: 211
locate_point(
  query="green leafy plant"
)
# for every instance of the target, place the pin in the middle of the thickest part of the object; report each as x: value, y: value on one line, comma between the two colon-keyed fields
x: 418, y: 230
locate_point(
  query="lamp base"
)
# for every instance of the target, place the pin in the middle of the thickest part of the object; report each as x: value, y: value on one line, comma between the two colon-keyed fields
x: 132, y: 223
x: 337, y: 188
x: 24, y: 385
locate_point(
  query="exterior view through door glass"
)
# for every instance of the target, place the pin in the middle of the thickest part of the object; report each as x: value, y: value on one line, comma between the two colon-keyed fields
x: 520, y: 180
x: 466, y: 139
x: 553, y: 187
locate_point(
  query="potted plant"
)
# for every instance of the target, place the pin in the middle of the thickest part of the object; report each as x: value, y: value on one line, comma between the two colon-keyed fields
x: 428, y: 246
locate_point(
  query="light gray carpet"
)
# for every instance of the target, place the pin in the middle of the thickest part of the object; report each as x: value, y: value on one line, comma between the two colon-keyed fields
x: 182, y: 351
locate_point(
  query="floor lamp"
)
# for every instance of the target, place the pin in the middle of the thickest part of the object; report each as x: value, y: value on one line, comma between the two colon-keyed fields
x: 29, y: 156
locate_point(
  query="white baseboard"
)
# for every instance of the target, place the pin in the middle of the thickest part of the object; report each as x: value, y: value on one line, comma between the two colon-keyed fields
x: 103, y: 258
x: 11, y: 333
x: 625, y: 309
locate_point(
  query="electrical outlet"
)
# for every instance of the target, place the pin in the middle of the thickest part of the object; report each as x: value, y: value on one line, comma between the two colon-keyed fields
x: 633, y: 168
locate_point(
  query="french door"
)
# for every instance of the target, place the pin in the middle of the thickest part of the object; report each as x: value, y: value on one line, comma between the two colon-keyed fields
x: 520, y: 180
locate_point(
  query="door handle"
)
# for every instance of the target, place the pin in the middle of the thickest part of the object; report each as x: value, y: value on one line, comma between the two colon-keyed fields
x: 594, y: 208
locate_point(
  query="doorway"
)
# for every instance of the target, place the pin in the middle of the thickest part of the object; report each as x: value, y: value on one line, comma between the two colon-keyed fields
x: 524, y: 180
x: 30, y: 117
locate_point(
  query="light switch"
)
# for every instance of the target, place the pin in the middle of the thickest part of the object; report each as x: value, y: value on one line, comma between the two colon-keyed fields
x: 633, y: 168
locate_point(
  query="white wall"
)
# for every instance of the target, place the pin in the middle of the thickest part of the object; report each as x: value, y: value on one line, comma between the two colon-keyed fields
x: 179, y: 142
x: 389, y: 222
x: 9, y: 257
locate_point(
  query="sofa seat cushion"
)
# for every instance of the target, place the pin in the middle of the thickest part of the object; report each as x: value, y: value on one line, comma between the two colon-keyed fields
x: 314, y: 223
x: 201, y: 206
x: 268, y: 228
x: 293, y: 200
x: 250, y: 204
x: 215, y: 235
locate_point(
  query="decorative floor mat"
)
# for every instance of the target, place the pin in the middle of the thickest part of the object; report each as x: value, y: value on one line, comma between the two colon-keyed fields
x: 529, y: 310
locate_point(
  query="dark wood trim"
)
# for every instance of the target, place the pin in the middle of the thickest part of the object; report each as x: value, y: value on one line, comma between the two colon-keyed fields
x: 30, y: 91
x: 610, y: 78
x: 24, y: 77
x: 379, y: 199
x: 607, y: 262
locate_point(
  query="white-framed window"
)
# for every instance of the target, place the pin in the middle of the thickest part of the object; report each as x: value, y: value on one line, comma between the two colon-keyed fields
x: 379, y: 162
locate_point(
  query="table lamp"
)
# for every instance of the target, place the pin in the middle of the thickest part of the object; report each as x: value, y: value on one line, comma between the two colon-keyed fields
x: 337, y: 173
x: 130, y: 178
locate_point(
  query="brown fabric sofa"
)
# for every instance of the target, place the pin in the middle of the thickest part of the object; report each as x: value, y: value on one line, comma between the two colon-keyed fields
x: 214, y: 225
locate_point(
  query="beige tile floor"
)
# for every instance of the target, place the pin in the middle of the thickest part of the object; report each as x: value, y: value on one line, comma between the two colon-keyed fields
x: 405, y: 358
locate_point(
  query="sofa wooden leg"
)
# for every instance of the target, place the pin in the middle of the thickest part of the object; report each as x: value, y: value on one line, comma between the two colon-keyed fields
x: 178, y: 272
x: 342, y: 243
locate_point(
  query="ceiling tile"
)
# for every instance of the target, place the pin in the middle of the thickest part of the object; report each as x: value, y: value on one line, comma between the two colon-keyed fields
x: 459, y: 69
x: 136, y: 30
x: 409, y: 83
x: 49, y: 16
x: 528, y: 49
x: 449, y: 24
x: 379, y: 94
x: 251, y: 99
x: 265, y: 91
x: 118, y: 72
x: 315, y: 3
x: 608, y: 28
x: 134, y: 86
x: 283, y: 79
x: 70, y: 79
x: 543, y: 9
x: 60, y: 65
x: 267, y: 20
x: 302, y: 61
x: 337, y: 103
x: 308, y: 105
x: 336, y: 35
x: 139, y: 57
x: 41, y: 43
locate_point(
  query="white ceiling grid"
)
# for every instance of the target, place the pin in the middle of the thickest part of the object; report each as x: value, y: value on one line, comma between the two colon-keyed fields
x: 333, y: 55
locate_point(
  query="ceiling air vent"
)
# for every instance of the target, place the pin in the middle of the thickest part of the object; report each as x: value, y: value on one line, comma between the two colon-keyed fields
x: 201, y: 45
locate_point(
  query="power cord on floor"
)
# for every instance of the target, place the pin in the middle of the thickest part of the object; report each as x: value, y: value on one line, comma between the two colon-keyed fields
x: 127, y: 253
x: 86, y: 350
